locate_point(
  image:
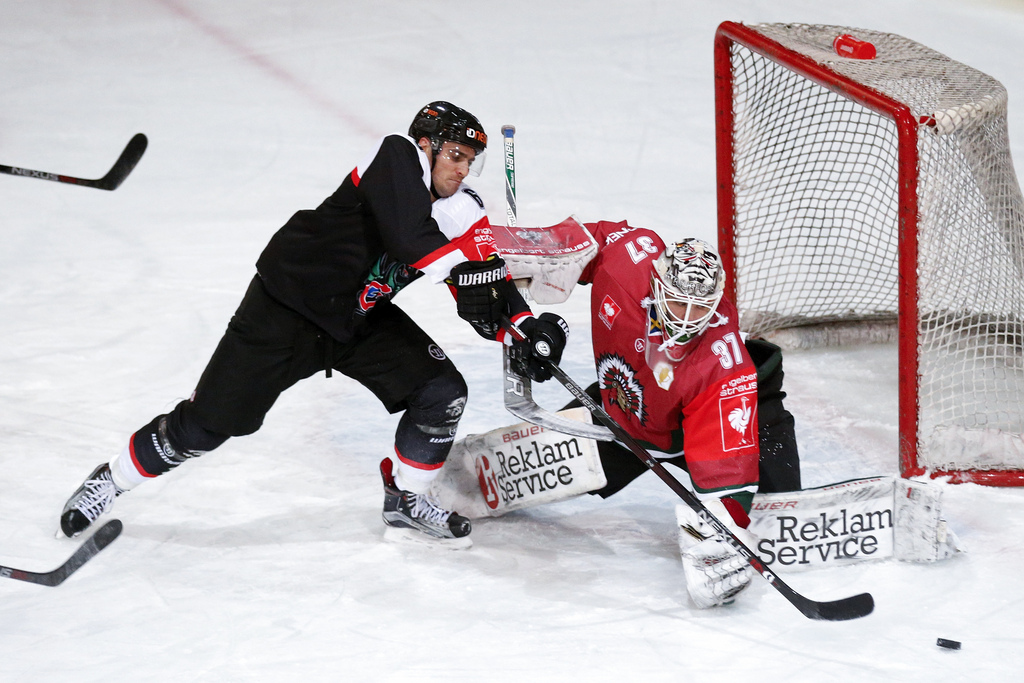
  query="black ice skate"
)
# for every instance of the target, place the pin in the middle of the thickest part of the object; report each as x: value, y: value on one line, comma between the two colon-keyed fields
x: 93, y: 498
x: 419, y: 512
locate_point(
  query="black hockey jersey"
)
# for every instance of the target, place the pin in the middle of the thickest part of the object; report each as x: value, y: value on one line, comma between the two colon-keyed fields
x: 319, y: 262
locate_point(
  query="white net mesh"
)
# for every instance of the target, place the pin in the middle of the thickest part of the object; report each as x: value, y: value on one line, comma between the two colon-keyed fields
x: 817, y: 220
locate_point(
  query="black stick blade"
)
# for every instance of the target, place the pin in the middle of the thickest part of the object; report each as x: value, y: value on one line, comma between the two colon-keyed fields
x: 853, y: 607
x: 100, y: 540
x: 97, y: 542
x: 111, y: 181
x: 124, y: 164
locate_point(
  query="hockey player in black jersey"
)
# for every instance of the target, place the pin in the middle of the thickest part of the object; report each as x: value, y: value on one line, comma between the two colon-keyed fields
x: 321, y: 300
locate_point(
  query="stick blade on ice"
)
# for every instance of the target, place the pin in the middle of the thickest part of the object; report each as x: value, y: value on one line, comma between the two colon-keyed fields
x: 853, y: 607
x: 97, y: 542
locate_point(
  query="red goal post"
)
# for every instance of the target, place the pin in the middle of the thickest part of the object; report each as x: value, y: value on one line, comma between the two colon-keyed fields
x: 858, y: 192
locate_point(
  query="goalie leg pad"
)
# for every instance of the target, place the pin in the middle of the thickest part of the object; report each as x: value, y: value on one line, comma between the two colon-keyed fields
x: 517, y: 467
x: 920, y: 534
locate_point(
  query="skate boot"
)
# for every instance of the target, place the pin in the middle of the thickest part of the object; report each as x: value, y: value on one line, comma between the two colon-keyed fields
x: 93, y: 498
x: 405, y: 510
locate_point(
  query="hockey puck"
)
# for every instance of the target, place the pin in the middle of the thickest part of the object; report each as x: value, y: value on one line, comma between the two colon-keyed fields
x: 948, y: 644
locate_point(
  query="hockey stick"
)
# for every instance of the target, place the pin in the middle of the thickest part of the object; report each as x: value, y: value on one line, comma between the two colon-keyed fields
x: 853, y: 607
x: 115, y: 176
x: 97, y: 542
x: 508, y: 134
x: 518, y: 389
x: 519, y: 401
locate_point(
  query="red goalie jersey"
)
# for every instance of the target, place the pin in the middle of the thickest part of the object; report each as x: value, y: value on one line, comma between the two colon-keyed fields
x: 710, y: 396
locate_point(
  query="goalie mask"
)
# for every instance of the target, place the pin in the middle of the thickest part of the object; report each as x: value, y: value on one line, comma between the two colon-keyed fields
x: 442, y: 122
x: 687, y: 283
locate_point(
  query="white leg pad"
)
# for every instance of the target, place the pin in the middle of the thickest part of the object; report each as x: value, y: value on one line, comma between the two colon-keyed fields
x: 920, y: 533
x: 487, y: 475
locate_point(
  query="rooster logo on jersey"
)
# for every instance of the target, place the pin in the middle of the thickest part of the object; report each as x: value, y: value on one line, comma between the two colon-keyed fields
x: 615, y: 374
x: 739, y: 418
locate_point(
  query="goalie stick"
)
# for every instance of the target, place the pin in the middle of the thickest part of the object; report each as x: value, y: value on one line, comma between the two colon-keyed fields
x: 97, y: 542
x: 111, y: 181
x: 518, y: 389
x: 508, y: 134
x: 519, y: 401
x: 852, y: 607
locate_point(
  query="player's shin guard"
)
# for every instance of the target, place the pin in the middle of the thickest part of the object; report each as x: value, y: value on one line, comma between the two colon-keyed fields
x: 165, y: 443
x: 426, y: 431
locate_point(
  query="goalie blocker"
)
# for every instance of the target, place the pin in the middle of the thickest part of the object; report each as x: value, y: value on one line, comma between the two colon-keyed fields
x: 546, y: 263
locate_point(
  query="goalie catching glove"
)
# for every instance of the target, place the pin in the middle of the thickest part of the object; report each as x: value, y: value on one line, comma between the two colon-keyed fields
x: 715, y: 572
x: 484, y: 293
x: 545, y: 341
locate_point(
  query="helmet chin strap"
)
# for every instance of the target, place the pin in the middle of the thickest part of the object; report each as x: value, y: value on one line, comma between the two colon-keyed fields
x: 434, y: 148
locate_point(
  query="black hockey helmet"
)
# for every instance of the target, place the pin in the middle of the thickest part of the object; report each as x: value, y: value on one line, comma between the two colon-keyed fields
x: 442, y: 121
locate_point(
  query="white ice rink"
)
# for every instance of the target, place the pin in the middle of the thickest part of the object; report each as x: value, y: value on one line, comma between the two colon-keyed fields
x: 264, y: 560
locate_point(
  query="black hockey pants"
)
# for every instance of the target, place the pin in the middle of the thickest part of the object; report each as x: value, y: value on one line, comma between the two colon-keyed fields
x: 268, y: 347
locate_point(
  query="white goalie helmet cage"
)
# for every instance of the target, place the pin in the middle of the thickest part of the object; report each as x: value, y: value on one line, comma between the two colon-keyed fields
x: 686, y: 287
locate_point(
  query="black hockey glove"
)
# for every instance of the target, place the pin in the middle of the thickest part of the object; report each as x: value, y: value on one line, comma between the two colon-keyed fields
x: 483, y: 293
x: 545, y: 341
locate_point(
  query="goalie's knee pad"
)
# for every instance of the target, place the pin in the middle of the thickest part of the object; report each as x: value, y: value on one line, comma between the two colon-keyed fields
x: 170, y: 440
x: 426, y: 431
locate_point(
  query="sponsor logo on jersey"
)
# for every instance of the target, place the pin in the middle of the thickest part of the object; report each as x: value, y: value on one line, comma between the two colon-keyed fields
x: 618, y: 376
x: 472, y: 193
x: 437, y: 354
x: 609, y: 311
x: 737, y: 413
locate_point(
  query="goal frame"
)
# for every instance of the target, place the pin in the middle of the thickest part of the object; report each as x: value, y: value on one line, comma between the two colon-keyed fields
x: 907, y: 125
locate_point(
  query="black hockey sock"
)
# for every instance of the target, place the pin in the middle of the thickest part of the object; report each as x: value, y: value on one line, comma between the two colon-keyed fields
x: 170, y: 440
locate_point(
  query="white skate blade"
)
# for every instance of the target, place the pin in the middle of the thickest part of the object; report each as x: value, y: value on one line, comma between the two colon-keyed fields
x: 405, y: 536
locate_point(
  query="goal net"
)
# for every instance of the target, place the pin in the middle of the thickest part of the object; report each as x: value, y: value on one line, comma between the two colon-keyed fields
x: 861, y: 193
